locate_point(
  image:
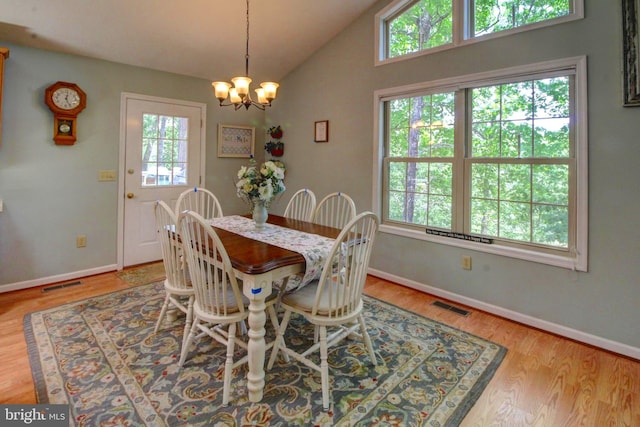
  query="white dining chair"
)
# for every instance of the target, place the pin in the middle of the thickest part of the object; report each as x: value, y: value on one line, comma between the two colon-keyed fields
x: 199, y: 200
x: 334, y: 210
x: 177, y: 284
x: 301, y: 205
x: 334, y: 301
x: 219, y: 307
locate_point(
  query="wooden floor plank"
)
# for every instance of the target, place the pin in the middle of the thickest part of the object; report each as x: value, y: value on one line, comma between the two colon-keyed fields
x: 544, y: 380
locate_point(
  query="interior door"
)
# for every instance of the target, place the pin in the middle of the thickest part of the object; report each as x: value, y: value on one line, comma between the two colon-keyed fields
x: 163, y: 156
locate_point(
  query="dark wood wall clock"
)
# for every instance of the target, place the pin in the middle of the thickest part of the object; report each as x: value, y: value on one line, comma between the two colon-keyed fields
x: 66, y: 101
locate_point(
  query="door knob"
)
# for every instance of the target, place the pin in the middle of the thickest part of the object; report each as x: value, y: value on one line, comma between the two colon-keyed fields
x: 129, y: 195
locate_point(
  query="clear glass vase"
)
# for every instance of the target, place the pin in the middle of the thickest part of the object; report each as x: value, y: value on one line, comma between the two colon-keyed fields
x: 260, y: 214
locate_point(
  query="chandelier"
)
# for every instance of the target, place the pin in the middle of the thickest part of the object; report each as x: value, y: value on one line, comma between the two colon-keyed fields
x: 238, y: 89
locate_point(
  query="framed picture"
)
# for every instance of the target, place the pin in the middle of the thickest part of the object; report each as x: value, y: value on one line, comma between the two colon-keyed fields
x: 321, y: 131
x: 235, y: 141
x: 631, y: 53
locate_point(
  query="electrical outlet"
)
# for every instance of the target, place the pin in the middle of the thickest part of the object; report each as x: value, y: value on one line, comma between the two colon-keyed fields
x: 466, y: 262
x: 81, y: 241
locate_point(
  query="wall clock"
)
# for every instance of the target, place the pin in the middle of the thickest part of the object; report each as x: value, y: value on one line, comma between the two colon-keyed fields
x: 66, y: 101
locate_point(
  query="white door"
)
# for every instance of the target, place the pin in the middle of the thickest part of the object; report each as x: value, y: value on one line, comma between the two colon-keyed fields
x: 163, y: 156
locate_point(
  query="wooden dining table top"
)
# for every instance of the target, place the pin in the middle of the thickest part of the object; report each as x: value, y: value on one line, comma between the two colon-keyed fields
x: 254, y: 257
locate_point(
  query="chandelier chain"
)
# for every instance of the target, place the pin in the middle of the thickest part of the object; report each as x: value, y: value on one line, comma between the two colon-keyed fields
x: 247, y: 51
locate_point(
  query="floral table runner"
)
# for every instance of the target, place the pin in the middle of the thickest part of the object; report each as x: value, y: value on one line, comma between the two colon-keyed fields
x: 313, y: 247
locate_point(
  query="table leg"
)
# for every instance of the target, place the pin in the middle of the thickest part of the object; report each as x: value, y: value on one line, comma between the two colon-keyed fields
x: 256, y: 288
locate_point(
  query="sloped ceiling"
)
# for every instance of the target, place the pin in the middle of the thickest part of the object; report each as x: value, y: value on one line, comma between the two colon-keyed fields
x: 200, y: 38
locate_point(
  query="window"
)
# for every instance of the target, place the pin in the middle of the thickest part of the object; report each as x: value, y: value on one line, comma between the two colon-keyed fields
x: 426, y: 24
x: 164, y: 150
x: 420, y: 159
x: 519, y: 159
x: 409, y: 27
x: 491, y: 16
x: 496, y: 158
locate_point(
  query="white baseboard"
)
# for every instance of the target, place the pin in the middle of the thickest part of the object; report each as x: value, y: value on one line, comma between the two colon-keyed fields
x: 58, y: 278
x: 544, y: 325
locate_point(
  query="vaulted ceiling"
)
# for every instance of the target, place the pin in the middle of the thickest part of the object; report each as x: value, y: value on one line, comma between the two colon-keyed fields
x: 200, y: 38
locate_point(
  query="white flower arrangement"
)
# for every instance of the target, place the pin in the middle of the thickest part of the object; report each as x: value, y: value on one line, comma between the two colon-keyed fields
x: 260, y: 185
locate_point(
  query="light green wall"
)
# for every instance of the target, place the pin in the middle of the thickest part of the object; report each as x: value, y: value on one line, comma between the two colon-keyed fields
x: 51, y: 193
x: 337, y: 83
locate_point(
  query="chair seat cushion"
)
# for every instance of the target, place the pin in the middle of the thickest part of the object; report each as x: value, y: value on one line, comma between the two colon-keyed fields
x: 231, y: 303
x: 303, y: 299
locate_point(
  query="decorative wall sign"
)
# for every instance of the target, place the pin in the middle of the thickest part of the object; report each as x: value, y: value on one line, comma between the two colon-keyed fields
x: 321, y: 131
x: 631, y: 53
x: 235, y: 141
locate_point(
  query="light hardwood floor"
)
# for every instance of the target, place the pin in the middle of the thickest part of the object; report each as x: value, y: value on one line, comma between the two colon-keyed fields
x: 544, y: 380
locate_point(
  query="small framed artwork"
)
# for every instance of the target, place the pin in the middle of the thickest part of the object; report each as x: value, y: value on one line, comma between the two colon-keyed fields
x: 235, y: 141
x: 631, y: 52
x: 321, y: 133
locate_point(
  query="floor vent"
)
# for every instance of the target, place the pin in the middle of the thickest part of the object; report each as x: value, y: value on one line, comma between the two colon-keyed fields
x: 63, y: 285
x: 449, y: 307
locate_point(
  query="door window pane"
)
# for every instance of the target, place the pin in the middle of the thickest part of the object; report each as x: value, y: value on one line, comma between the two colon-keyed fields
x: 164, y: 150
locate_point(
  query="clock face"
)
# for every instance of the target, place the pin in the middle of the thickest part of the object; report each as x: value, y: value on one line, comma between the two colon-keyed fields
x: 66, y: 98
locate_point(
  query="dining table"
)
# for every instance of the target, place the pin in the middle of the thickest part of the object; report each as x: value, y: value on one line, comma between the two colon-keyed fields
x: 261, y: 257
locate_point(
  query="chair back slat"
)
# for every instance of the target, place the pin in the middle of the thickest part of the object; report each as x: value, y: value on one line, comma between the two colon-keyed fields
x: 172, y: 253
x: 216, y: 288
x: 335, y: 210
x: 345, y: 270
x: 301, y: 205
x: 199, y: 200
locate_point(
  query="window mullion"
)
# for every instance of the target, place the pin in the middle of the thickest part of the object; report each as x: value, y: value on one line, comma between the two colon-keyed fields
x: 460, y: 181
x: 462, y: 18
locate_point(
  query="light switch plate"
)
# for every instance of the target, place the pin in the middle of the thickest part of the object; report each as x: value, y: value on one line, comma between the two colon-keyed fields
x: 106, y: 175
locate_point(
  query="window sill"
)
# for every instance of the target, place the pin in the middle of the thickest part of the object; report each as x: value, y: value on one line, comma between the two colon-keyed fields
x: 569, y: 262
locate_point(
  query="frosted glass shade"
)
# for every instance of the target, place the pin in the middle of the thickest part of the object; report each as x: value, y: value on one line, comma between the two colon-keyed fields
x: 234, y: 97
x: 221, y: 89
x: 270, y: 89
x: 261, y: 98
x: 242, y: 85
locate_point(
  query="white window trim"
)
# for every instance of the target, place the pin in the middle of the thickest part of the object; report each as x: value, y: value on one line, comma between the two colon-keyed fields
x: 578, y: 256
x: 458, y: 30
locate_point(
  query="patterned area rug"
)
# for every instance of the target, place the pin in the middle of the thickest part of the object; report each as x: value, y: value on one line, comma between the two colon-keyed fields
x: 143, y: 275
x: 102, y: 357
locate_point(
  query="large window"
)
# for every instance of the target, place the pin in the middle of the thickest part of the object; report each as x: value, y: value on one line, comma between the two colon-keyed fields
x: 499, y: 160
x: 519, y: 158
x: 409, y: 27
